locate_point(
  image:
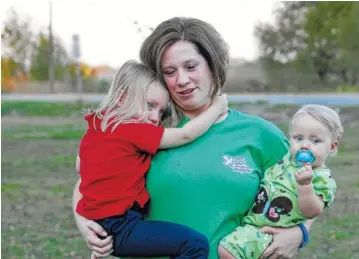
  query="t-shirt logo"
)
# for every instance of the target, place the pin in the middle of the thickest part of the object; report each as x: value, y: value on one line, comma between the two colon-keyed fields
x: 237, y: 164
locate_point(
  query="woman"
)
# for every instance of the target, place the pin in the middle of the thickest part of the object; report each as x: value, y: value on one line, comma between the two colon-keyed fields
x: 211, y: 183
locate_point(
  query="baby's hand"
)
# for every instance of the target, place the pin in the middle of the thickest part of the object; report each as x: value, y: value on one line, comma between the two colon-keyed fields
x: 304, y: 175
x: 221, y: 103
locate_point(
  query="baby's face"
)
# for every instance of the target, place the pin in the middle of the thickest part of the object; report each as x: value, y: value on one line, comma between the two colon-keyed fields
x: 309, y: 134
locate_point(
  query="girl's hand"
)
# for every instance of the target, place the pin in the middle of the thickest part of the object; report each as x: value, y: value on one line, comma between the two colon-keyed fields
x: 220, y: 102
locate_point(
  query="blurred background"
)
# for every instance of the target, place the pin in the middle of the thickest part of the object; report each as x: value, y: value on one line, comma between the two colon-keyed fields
x: 275, y: 46
x: 59, y: 57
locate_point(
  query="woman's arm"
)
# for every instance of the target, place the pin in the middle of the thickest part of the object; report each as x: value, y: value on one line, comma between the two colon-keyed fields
x: 90, y: 230
x: 286, y: 241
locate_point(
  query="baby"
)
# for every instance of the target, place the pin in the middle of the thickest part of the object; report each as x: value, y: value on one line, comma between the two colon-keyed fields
x: 295, y: 189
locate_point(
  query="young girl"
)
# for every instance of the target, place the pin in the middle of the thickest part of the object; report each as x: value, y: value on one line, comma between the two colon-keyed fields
x: 297, y: 188
x: 114, y: 155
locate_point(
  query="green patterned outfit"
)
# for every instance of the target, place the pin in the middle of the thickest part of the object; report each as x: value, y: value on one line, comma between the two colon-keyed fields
x: 276, y: 204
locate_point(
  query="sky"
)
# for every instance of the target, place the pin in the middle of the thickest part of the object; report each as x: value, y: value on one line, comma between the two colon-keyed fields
x: 108, y: 35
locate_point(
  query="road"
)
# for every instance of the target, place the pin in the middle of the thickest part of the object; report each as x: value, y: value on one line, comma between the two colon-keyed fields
x: 325, y: 99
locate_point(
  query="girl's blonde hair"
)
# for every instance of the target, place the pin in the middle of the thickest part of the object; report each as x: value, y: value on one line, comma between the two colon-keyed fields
x: 126, y: 96
x: 326, y: 116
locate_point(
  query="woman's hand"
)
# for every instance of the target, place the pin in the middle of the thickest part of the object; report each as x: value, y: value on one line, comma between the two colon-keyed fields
x: 91, y: 231
x: 285, y: 242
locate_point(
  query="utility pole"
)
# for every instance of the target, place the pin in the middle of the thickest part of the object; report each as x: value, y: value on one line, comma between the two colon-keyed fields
x: 76, y: 54
x: 51, y: 52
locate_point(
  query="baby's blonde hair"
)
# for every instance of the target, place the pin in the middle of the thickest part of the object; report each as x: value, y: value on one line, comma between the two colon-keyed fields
x: 326, y: 116
x: 126, y: 96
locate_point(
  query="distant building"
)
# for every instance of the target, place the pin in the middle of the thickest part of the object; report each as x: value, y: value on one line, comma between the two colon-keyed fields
x: 104, y: 73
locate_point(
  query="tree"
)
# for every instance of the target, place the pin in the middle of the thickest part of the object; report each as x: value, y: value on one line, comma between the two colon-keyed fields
x: 8, y: 73
x: 40, y: 58
x: 348, y: 38
x: 282, y: 41
x: 17, y: 40
x: 328, y: 31
x: 319, y: 37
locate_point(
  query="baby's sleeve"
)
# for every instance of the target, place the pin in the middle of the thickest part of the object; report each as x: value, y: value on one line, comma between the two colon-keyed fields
x: 324, y: 185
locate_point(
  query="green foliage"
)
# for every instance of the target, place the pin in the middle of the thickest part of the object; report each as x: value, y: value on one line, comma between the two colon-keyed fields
x: 348, y: 88
x: 8, y: 68
x: 29, y: 50
x: 314, y: 37
x: 332, y: 38
x: 40, y: 59
x: 17, y: 39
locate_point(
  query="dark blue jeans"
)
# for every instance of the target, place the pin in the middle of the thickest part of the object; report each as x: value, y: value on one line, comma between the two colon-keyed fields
x: 135, y: 237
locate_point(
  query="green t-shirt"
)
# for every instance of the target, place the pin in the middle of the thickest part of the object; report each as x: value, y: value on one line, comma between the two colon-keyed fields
x: 211, y: 183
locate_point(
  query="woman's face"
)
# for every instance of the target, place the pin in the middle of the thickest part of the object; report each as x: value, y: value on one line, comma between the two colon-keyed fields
x: 188, y: 77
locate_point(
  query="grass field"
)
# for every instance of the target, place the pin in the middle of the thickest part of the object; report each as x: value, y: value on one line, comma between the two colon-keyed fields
x: 38, y: 153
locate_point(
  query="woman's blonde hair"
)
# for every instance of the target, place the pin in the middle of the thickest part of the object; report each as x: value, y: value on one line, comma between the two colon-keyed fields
x: 126, y: 96
x: 203, y: 35
x: 326, y: 116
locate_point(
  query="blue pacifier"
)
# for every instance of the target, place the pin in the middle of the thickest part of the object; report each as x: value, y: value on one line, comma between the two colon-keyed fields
x: 304, y: 156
